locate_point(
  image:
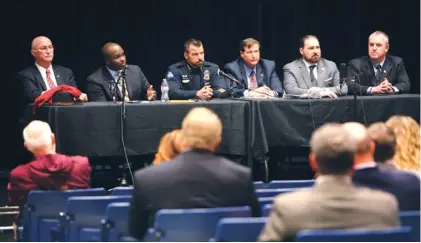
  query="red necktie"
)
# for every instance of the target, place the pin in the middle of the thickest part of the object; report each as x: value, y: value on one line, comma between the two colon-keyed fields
x: 253, y: 82
x: 50, y: 82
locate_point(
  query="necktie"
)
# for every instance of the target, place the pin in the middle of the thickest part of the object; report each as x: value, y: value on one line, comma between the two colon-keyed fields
x: 253, y: 81
x: 312, y: 77
x: 120, y: 87
x: 378, y: 72
x: 50, y: 82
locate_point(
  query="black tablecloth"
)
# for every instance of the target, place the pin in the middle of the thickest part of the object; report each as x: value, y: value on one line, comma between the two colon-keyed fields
x: 93, y: 129
x: 290, y: 122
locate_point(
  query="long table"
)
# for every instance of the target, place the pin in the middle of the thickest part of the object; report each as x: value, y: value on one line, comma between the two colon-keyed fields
x: 250, y: 126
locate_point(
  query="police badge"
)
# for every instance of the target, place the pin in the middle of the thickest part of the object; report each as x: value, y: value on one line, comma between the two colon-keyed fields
x: 206, y: 76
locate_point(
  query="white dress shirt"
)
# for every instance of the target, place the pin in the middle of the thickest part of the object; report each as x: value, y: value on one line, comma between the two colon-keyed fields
x: 43, y: 72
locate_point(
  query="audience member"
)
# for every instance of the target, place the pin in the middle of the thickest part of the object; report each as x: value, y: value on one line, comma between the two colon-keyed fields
x: 385, y: 145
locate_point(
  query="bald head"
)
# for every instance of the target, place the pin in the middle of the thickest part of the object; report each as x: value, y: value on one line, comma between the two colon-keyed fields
x: 359, y: 132
x: 201, y: 128
x: 42, y: 50
x: 114, y: 55
x: 38, y: 136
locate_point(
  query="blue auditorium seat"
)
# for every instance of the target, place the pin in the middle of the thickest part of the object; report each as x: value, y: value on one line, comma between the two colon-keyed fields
x: 400, y: 234
x: 81, y: 220
x: 266, y: 210
x: 122, y: 191
x: 412, y: 219
x: 259, y: 185
x: 263, y: 201
x: 239, y: 229
x: 191, y: 224
x: 290, y: 184
x: 114, y: 226
x: 272, y: 192
x: 42, y: 209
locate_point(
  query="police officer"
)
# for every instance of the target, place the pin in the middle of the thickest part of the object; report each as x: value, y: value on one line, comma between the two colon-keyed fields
x: 194, y: 78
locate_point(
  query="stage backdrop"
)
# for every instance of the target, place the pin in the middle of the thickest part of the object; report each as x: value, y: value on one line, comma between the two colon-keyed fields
x: 152, y: 33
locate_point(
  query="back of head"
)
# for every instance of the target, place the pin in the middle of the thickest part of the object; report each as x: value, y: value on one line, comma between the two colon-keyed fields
x: 38, y: 137
x: 384, y: 139
x: 333, y: 149
x: 201, y: 129
x: 365, y: 147
x: 170, y: 146
x: 407, y: 132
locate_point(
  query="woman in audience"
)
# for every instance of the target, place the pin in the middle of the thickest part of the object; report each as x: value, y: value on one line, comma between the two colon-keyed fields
x: 407, y: 130
x: 170, y: 146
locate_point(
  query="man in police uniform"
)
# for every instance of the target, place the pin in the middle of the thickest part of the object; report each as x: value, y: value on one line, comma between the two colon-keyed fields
x: 194, y: 78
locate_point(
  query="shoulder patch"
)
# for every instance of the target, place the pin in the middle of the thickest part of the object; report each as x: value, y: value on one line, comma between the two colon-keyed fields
x: 221, y: 90
x: 170, y: 74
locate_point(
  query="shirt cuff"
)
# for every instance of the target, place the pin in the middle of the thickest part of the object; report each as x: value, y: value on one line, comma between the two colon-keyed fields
x: 395, y: 89
x: 246, y: 93
x: 369, y: 90
x: 276, y: 94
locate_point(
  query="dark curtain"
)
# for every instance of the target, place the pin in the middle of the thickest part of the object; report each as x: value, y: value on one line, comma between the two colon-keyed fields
x: 152, y: 33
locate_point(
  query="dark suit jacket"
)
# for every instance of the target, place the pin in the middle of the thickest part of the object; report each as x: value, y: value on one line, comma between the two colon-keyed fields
x: 265, y: 74
x: 98, y: 85
x: 393, y: 68
x: 403, y: 185
x: 194, y: 179
x: 33, y: 85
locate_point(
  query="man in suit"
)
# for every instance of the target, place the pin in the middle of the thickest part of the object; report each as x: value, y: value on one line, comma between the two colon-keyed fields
x: 106, y: 83
x: 378, y: 73
x: 195, y: 78
x: 403, y: 185
x: 312, y: 73
x: 194, y: 179
x: 333, y: 202
x: 253, y: 73
x: 43, y: 76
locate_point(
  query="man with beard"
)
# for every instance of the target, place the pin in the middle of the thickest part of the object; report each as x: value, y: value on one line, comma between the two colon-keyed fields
x: 379, y: 73
x: 311, y: 73
x: 195, y: 78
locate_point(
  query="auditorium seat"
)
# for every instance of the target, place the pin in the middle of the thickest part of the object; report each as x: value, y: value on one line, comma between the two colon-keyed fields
x: 239, y: 229
x: 412, y: 219
x: 191, y: 224
x: 259, y: 185
x: 42, y: 208
x: 114, y: 226
x: 263, y: 201
x: 272, y: 192
x: 266, y: 210
x: 121, y: 191
x: 290, y: 184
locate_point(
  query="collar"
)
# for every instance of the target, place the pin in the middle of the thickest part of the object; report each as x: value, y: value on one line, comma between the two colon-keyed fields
x: 249, y: 70
x: 112, y: 72
x: 375, y: 63
x: 366, y: 165
x: 329, y: 179
x: 309, y: 64
x: 42, y: 69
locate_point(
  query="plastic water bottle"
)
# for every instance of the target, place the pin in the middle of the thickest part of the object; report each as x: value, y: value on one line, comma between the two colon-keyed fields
x: 164, y: 91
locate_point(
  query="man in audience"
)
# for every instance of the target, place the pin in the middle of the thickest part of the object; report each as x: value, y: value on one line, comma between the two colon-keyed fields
x: 333, y: 202
x: 105, y: 84
x: 312, y: 73
x: 49, y: 170
x: 43, y: 76
x: 385, y: 145
x: 195, y: 179
x: 254, y: 73
x: 403, y: 185
x: 195, y: 78
x: 378, y: 73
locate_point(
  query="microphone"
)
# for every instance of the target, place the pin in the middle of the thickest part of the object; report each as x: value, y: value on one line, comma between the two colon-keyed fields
x: 221, y: 73
x: 342, y: 73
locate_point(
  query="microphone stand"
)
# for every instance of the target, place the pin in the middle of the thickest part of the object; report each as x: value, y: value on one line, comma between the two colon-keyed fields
x: 122, y: 122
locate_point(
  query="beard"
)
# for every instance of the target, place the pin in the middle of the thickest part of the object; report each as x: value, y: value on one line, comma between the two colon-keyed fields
x: 313, y: 59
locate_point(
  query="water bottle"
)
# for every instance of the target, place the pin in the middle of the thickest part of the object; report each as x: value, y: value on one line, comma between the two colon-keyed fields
x: 164, y: 91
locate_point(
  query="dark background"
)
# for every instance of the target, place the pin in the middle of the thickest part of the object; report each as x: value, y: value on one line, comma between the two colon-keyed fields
x: 152, y: 33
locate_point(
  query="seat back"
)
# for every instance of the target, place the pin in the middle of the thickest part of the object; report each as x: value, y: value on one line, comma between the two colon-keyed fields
x: 356, y: 235
x: 290, y: 184
x: 272, y: 192
x: 263, y: 201
x: 83, y: 216
x: 259, y: 185
x: 239, y: 229
x: 42, y: 209
x: 122, y: 191
x: 266, y: 210
x: 192, y: 224
x: 114, y: 226
x: 412, y: 219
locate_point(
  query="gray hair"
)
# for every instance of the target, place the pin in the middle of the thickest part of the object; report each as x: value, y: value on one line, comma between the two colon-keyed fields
x: 37, y: 135
x: 378, y: 32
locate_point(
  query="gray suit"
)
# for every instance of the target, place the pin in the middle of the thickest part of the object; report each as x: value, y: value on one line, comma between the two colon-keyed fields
x: 297, y: 78
x: 333, y: 202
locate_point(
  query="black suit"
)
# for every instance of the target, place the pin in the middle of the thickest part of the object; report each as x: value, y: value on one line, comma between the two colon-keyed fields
x: 33, y: 85
x: 393, y: 68
x: 99, y: 89
x: 194, y: 179
x: 265, y: 75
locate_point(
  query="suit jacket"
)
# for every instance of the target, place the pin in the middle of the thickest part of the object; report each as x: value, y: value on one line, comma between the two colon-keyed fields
x: 33, y: 85
x: 265, y: 75
x: 194, y: 179
x: 297, y: 78
x: 99, y: 85
x: 404, y: 186
x: 332, y: 203
x: 393, y: 68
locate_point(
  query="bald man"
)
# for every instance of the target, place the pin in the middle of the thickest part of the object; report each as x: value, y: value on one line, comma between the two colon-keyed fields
x: 403, y: 185
x: 43, y: 75
x: 105, y: 83
x: 195, y: 179
x: 48, y: 170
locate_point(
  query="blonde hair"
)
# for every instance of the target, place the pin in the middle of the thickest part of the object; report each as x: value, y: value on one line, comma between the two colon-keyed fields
x: 407, y: 133
x: 169, y: 147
